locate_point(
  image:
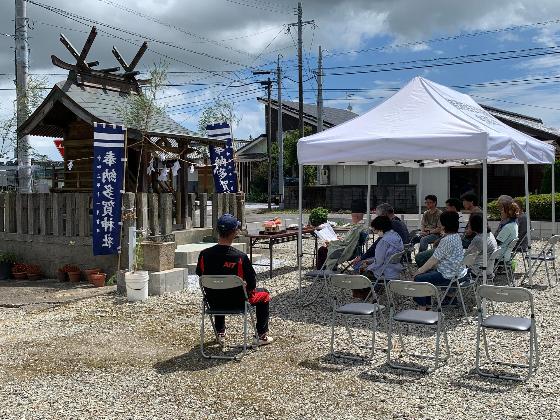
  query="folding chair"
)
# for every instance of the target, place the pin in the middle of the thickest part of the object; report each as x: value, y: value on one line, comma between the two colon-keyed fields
x: 416, y: 317
x: 334, y: 258
x: 359, y: 309
x: 506, y: 323
x: 506, y: 264
x: 546, y: 256
x: 459, y: 283
x: 489, y: 268
x: 394, y: 259
x: 238, y: 304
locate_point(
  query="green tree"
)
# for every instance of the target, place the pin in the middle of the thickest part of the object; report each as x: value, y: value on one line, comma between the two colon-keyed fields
x: 546, y: 183
x: 36, y: 91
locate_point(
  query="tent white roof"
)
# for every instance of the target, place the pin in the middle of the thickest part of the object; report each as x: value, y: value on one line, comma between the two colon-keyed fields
x: 427, y: 123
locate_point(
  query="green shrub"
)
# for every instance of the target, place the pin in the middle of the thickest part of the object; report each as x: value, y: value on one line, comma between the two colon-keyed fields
x: 257, y: 197
x: 7, y: 257
x: 540, y: 206
x: 546, y: 183
x: 318, y: 216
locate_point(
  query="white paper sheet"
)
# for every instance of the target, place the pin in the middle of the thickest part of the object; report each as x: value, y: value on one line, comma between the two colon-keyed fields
x: 326, y: 233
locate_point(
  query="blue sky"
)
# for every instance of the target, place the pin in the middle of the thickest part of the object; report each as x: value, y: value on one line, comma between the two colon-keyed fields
x: 211, y: 48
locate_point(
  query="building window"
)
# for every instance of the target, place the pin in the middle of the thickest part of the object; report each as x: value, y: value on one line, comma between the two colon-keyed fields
x: 392, y: 178
x: 509, y: 170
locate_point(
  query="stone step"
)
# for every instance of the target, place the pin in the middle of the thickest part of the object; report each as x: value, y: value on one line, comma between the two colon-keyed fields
x: 192, y: 236
x: 187, y: 254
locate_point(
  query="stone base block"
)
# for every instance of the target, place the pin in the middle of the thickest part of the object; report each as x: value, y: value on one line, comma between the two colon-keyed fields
x: 167, y: 281
x: 158, y: 256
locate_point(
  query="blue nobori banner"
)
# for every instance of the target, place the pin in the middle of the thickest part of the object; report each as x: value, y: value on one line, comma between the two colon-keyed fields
x: 221, y: 158
x: 108, y: 172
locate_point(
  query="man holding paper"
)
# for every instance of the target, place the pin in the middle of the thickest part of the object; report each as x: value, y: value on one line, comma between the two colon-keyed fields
x: 354, y: 238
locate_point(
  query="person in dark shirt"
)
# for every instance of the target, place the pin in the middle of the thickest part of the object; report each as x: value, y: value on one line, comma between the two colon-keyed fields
x: 224, y: 259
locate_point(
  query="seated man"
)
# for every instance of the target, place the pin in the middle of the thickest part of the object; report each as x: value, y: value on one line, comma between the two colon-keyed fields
x: 470, y: 206
x: 522, y: 226
x: 353, y: 239
x: 452, y: 205
x: 470, y: 203
x: 476, y: 246
x: 430, y: 226
x: 224, y: 259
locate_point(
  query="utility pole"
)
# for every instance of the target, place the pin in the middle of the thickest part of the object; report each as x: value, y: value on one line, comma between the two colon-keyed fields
x: 280, y: 135
x: 319, y: 104
x: 269, y: 143
x: 320, y: 91
x: 22, y: 68
x: 268, y: 84
x: 300, y: 68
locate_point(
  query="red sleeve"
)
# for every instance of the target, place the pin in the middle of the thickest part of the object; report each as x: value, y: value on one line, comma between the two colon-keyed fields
x: 250, y: 276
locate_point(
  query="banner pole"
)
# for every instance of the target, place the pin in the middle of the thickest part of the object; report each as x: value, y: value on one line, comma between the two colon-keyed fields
x: 122, y: 197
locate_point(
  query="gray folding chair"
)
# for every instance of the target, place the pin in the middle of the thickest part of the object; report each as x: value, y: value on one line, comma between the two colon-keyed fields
x: 459, y: 283
x: 355, y: 309
x: 213, y: 304
x: 506, y: 263
x: 322, y: 276
x: 394, y: 259
x: 506, y: 323
x: 432, y: 319
x: 546, y: 256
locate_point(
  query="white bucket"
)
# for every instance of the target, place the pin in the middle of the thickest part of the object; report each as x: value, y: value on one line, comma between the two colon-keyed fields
x: 136, y: 285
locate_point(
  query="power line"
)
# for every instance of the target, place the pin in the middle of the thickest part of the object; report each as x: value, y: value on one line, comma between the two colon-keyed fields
x: 67, y: 14
x: 453, y: 63
x: 271, y: 8
x: 168, y: 25
x: 449, y: 38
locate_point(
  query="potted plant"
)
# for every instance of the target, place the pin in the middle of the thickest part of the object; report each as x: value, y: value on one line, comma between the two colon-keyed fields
x: 318, y: 216
x: 19, y: 271
x: 62, y: 273
x: 7, y: 260
x: 98, y: 279
x: 34, y: 272
x: 88, y: 272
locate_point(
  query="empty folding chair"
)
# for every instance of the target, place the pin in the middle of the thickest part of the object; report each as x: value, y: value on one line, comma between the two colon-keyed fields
x: 505, y: 262
x: 333, y: 259
x: 355, y: 309
x: 430, y: 319
x: 546, y: 256
x: 459, y: 283
x: 224, y: 295
x: 522, y: 325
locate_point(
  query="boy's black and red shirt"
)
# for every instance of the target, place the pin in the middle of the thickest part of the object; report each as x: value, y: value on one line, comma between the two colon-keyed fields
x: 224, y: 259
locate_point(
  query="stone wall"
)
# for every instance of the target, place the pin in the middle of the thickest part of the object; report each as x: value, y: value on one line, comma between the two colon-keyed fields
x: 52, y: 252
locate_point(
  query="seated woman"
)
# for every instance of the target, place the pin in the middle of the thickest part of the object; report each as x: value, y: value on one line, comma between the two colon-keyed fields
x: 476, y: 225
x: 447, y: 259
x: 390, y: 243
x: 508, y: 229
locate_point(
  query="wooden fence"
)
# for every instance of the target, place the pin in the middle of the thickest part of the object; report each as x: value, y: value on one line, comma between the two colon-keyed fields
x: 70, y: 214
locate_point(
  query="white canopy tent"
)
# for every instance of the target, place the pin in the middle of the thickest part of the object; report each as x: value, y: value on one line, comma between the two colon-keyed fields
x: 424, y: 125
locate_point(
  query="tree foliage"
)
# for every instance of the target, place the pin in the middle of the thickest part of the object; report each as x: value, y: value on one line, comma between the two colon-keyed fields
x: 36, y: 91
x: 141, y: 110
x: 546, y: 183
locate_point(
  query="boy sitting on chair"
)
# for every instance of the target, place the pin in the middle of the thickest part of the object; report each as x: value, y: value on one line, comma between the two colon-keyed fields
x: 225, y: 259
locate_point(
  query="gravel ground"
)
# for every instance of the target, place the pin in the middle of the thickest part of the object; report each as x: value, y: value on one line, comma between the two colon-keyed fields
x: 105, y: 358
